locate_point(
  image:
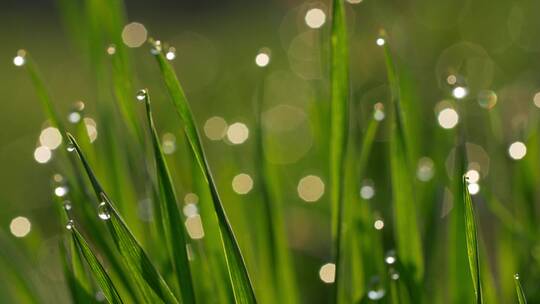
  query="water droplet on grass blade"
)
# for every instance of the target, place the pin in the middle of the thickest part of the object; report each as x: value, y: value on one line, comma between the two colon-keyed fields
x: 375, y: 291
x: 171, y: 54
x: 141, y: 95
x: 390, y: 257
x: 156, y: 47
x: 67, y: 205
x: 70, y: 147
x: 516, y: 276
x: 70, y: 225
x: 103, y: 211
x: 394, y: 275
x: 61, y: 191
x: 20, y: 59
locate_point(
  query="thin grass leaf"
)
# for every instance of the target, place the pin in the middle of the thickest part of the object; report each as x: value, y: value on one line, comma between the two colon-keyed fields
x: 41, y: 90
x: 241, y: 283
x: 99, y: 273
x: 519, y: 290
x: 280, y: 260
x: 170, y: 215
x: 472, y: 243
x: 145, y: 275
x: 78, y: 282
x: 339, y: 123
x: 355, y: 213
x: 409, y: 246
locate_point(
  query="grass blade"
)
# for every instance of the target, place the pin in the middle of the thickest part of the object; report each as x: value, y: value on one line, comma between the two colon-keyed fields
x: 409, y: 246
x: 76, y: 276
x: 519, y: 290
x: 338, y: 127
x: 172, y: 223
x: 101, y: 276
x: 238, y: 274
x: 41, y: 90
x: 472, y: 242
x: 145, y: 275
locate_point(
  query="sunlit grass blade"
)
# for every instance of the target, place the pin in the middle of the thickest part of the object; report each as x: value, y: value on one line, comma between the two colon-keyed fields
x: 145, y: 275
x: 99, y: 273
x: 519, y: 290
x: 472, y: 242
x: 170, y: 215
x: 408, y: 239
x: 339, y: 123
x: 241, y: 283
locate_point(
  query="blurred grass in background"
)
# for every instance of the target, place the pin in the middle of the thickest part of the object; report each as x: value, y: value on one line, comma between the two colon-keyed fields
x: 467, y: 83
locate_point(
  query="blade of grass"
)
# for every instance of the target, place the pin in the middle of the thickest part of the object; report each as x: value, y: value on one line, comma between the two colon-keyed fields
x: 172, y: 223
x: 280, y: 263
x: 472, y: 242
x: 356, y: 211
x: 99, y: 273
x: 238, y: 274
x: 76, y: 277
x: 460, y: 282
x: 339, y: 77
x: 43, y: 95
x: 409, y: 246
x: 519, y: 290
x: 145, y: 275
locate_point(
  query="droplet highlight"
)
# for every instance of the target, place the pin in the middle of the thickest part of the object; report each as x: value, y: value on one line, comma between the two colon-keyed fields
x: 20, y: 59
x: 141, y: 95
x: 103, y: 211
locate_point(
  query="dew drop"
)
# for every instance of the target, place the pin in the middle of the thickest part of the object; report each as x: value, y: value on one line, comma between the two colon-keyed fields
x: 67, y: 205
x: 171, y: 54
x: 61, y: 191
x: 390, y: 257
x: 141, y: 95
x: 70, y: 225
x: 20, y: 59
x: 375, y: 289
x: 394, y: 274
x: 70, y: 147
x: 103, y: 211
x: 156, y: 47
x: 516, y: 276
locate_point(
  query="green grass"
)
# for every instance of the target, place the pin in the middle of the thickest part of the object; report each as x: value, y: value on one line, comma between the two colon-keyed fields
x: 438, y: 244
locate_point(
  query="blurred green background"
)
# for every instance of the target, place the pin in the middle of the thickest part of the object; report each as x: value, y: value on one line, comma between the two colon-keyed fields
x: 492, y: 47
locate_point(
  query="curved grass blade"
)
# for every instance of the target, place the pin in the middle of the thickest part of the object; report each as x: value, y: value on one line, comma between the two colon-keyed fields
x: 519, y: 290
x: 472, y: 242
x: 41, y: 90
x: 170, y: 215
x: 101, y: 276
x: 145, y: 275
x: 339, y: 123
x: 238, y: 274
x: 409, y: 246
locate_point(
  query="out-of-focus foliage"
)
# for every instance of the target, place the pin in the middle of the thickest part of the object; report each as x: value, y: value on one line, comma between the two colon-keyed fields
x: 438, y: 90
